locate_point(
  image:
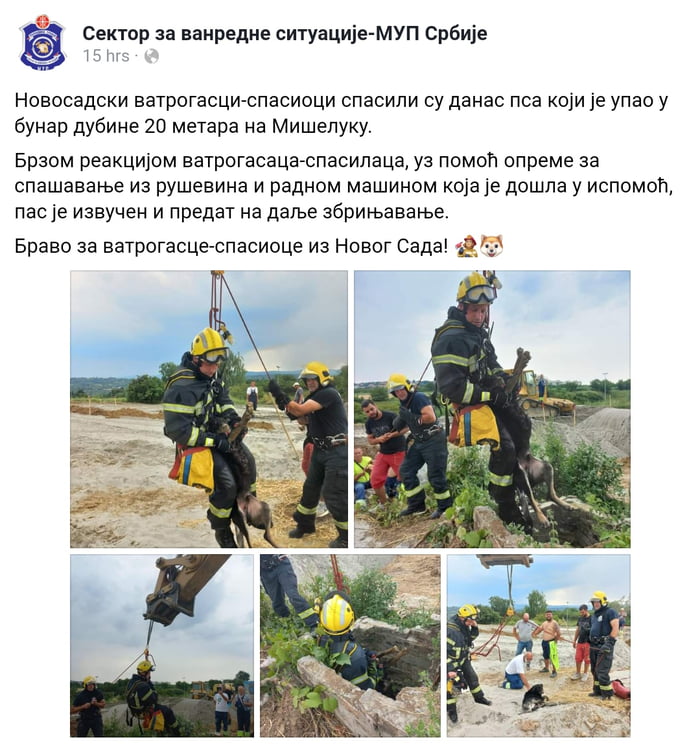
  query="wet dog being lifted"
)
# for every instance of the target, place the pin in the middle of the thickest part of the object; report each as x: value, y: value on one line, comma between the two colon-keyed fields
x: 257, y: 514
x: 251, y: 511
x: 534, y: 698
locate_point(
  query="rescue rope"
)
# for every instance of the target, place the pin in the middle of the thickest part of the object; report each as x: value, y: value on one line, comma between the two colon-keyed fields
x: 217, y: 278
x: 337, y: 575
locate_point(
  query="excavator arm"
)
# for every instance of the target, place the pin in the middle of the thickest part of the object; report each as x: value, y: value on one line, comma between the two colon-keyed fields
x: 179, y: 581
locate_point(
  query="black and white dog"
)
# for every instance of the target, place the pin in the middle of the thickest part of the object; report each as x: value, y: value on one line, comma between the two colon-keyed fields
x: 534, y: 698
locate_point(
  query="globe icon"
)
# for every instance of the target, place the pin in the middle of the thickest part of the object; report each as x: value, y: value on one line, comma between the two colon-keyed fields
x: 151, y: 56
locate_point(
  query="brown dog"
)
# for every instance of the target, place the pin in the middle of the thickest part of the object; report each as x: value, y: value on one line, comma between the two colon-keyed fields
x: 257, y: 514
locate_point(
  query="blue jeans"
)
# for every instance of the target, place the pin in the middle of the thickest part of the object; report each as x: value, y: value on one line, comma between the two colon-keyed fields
x: 360, y: 491
x: 523, y: 646
x: 513, y: 682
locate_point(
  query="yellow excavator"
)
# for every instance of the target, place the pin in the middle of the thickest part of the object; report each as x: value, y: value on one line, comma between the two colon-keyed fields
x: 536, y: 406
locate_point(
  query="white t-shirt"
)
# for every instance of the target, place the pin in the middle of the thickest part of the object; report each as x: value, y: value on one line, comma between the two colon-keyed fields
x: 516, y: 665
x: 221, y: 703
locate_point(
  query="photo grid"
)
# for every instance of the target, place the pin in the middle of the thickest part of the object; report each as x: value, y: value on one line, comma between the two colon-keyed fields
x: 226, y: 580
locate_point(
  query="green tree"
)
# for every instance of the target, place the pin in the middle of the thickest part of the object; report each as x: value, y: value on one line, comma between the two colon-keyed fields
x: 623, y: 384
x: 536, y: 603
x: 166, y: 369
x: 234, y: 370
x: 145, y: 389
x: 598, y: 385
x: 378, y: 394
x: 341, y: 381
x: 499, y: 605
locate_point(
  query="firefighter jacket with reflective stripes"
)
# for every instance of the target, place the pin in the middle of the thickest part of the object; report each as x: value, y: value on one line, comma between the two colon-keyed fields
x: 463, y: 358
x: 460, y: 638
x: 190, y: 401
x: 356, y: 671
x: 140, y: 694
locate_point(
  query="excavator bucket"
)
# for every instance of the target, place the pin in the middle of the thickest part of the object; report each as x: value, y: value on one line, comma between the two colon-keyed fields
x: 180, y: 580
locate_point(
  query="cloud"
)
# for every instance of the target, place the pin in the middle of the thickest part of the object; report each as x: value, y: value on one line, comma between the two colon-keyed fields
x: 108, y: 631
x: 128, y: 323
x: 575, y: 324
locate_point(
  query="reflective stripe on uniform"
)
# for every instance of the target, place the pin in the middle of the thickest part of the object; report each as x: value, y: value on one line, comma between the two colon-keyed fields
x: 413, y: 491
x: 500, y: 480
x: 177, y: 408
x: 442, y: 496
x: 469, y: 362
x: 307, y: 613
x: 223, y: 513
x: 341, y: 525
x: 308, y: 511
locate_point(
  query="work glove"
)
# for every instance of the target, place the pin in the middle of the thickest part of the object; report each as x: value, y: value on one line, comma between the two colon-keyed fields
x: 274, y: 387
x: 221, y: 444
x: 398, y: 424
x: 281, y: 399
x: 499, y: 398
x: 608, y: 646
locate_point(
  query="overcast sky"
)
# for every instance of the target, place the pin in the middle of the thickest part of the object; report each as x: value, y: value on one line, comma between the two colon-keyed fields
x: 108, y: 631
x: 576, y: 324
x: 563, y: 579
x: 126, y: 323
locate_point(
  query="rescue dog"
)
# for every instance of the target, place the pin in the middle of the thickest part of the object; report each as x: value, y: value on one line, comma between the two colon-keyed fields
x: 534, y: 698
x: 257, y: 514
x: 491, y: 245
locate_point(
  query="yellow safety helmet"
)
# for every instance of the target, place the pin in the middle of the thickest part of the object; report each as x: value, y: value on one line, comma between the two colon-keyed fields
x: 396, y: 382
x: 210, y: 346
x: 317, y: 370
x: 89, y: 681
x: 145, y: 666
x: 599, y: 597
x: 476, y: 289
x: 336, y: 615
x: 468, y: 612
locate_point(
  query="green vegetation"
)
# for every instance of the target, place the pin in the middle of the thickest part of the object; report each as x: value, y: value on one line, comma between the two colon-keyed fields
x: 586, y: 472
x: 286, y: 640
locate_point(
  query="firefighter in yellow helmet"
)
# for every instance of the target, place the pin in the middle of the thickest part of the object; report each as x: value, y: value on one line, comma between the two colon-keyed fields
x: 334, y: 634
x: 462, y: 630
x: 88, y: 703
x: 324, y: 414
x: 429, y: 447
x: 195, y: 403
x: 605, y: 627
x: 468, y: 373
x: 142, y: 701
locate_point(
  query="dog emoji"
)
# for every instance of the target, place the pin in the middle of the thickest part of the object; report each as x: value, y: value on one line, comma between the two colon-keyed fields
x: 467, y: 248
x: 491, y: 245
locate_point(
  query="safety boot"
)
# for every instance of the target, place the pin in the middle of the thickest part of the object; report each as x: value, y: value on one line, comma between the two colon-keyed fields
x: 437, y: 514
x: 306, y: 525
x: 341, y: 541
x: 415, y: 504
x: 481, y: 699
x: 224, y: 537
x: 452, y: 714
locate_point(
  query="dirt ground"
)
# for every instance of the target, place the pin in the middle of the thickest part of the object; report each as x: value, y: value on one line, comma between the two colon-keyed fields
x: 608, y: 427
x: 569, y: 713
x: 121, y: 495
